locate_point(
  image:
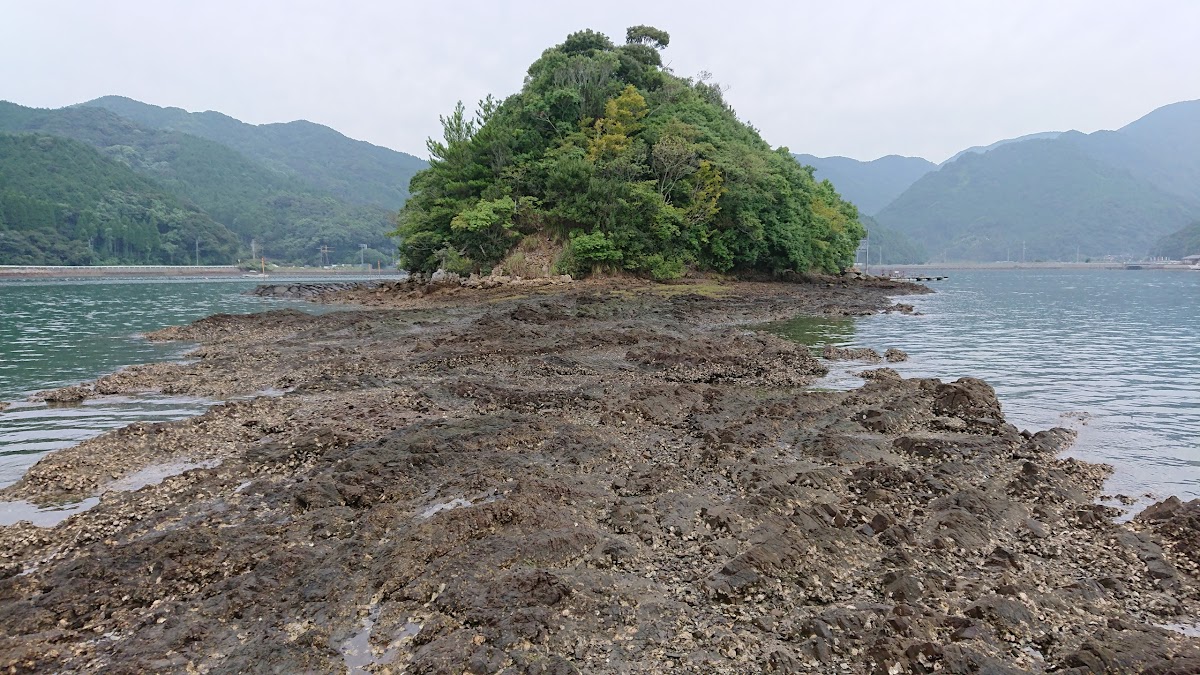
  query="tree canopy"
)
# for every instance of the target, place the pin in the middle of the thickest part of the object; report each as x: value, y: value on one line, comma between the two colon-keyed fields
x: 273, y: 213
x: 627, y: 165
x: 61, y: 202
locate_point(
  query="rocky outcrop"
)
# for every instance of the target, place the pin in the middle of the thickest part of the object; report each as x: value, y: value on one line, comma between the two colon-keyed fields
x: 583, y: 480
x: 834, y: 353
x: 72, y: 394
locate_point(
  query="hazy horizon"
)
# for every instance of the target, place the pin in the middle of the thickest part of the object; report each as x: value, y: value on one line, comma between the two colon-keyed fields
x: 863, y: 81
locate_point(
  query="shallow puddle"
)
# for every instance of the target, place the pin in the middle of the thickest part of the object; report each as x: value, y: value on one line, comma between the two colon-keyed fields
x: 49, y: 516
x: 356, y: 650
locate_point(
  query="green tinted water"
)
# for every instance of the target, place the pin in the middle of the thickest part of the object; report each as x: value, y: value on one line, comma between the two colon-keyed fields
x: 1113, y: 354
x: 60, y: 332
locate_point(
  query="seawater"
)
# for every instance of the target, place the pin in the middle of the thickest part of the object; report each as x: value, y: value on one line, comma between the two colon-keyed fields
x: 60, y: 332
x: 1112, y: 354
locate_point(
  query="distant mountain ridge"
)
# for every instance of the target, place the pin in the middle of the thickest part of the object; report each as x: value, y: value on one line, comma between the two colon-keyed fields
x: 354, y: 170
x: 869, y: 185
x: 981, y: 149
x: 275, y: 212
x: 1060, y: 196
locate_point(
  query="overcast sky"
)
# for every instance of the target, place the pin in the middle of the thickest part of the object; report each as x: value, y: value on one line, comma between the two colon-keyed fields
x: 860, y: 79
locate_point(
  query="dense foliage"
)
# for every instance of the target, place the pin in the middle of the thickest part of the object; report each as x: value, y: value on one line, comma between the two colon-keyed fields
x: 1179, y: 244
x: 318, y: 156
x: 629, y: 166
x: 273, y: 213
x: 61, y: 202
x: 889, y: 247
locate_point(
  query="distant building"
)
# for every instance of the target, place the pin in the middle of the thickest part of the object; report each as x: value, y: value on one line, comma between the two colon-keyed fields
x: 1192, y: 259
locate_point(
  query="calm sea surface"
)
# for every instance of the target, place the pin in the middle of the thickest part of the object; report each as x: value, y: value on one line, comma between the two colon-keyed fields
x: 1113, y: 354
x: 60, y: 332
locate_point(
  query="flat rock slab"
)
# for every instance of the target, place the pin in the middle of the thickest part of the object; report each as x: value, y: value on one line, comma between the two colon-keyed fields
x: 591, y: 477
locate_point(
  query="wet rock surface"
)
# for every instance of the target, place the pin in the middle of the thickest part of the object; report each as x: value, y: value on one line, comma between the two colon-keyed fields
x: 585, y: 478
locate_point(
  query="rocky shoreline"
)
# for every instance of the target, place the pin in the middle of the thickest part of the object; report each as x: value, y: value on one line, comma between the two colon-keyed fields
x: 581, y: 477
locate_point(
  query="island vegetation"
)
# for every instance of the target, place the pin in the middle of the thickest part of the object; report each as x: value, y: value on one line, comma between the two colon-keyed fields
x: 623, y: 166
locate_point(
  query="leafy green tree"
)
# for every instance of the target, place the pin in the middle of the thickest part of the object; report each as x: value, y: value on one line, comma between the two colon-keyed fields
x: 628, y: 166
x: 647, y: 35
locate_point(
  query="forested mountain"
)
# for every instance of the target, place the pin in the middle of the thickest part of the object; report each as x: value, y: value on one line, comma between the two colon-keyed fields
x: 1179, y: 244
x: 626, y: 167
x: 62, y: 202
x: 1162, y: 147
x: 356, y: 171
x: 981, y: 149
x: 1063, y: 196
x: 287, y: 219
x: 869, y: 185
x: 1051, y: 198
x: 886, y: 246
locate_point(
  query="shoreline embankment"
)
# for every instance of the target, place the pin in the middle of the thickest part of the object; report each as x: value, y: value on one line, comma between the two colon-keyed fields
x: 581, y: 477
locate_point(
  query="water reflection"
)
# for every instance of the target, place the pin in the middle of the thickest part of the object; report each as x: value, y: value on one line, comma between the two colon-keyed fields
x: 815, y: 331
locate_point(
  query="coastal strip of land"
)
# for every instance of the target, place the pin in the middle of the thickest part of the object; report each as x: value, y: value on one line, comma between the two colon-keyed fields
x: 125, y: 271
x: 607, y: 476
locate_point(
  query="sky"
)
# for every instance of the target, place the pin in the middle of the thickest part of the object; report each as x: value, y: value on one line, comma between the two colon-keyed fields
x: 859, y: 79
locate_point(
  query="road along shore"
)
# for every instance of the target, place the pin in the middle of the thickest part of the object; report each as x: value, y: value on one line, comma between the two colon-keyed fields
x: 581, y: 477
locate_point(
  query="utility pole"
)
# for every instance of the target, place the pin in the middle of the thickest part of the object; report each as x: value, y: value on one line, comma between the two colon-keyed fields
x: 362, y: 254
x: 867, y: 255
x: 197, y: 251
x: 1022, y: 251
x: 325, y: 251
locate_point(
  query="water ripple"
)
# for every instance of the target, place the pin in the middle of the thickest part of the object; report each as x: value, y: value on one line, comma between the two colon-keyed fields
x: 1113, y: 354
x: 60, y: 332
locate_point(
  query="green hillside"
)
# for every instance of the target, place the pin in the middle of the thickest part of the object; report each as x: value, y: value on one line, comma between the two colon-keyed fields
x: 287, y: 220
x: 63, y: 203
x: 317, y: 155
x: 1162, y: 148
x: 625, y: 165
x: 1179, y: 244
x: 1062, y: 195
x: 886, y: 246
x: 869, y: 185
x: 1051, y: 196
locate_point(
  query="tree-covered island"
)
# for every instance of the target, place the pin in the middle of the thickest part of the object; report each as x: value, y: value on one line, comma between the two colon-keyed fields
x: 622, y: 165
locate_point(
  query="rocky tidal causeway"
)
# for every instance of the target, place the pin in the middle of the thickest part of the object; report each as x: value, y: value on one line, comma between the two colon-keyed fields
x: 580, y: 477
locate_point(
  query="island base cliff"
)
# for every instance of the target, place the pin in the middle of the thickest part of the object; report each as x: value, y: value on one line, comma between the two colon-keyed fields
x: 589, y: 477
